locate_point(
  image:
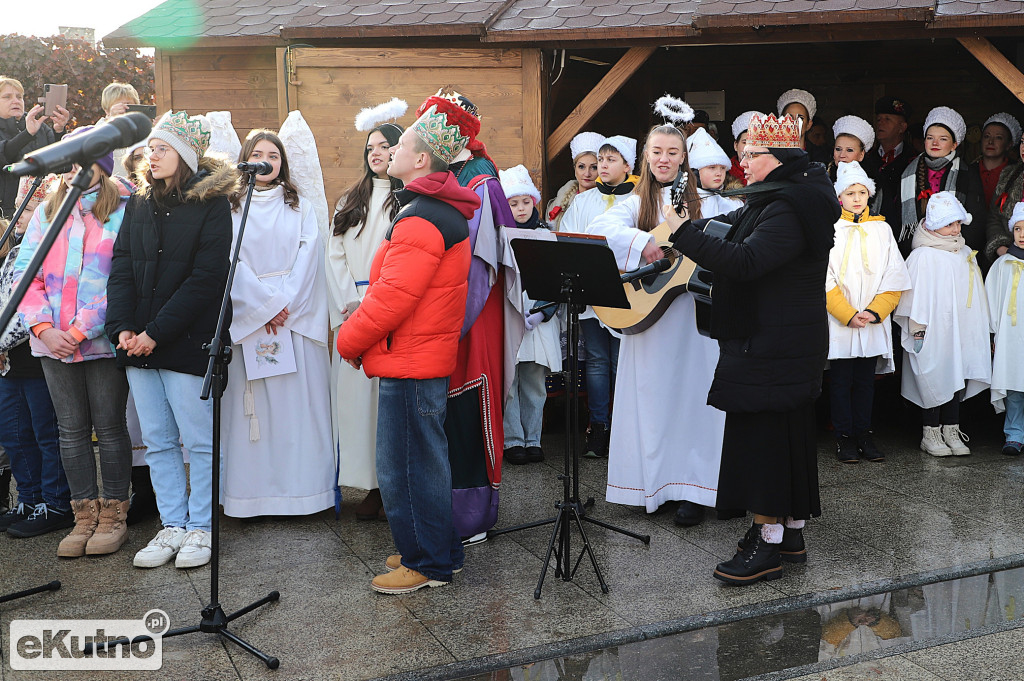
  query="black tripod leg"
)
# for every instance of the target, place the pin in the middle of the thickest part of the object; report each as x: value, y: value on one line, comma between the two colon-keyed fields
x: 589, y: 551
x: 516, y: 528
x: 645, y: 538
x: 271, y: 662
x: 547, y: 556
x: 269, y: 598
x: 52, y: 586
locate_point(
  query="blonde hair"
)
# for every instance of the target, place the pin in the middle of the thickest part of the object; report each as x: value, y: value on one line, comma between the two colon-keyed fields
x: 107, y: 200
x: 118, y: 92
x: 6, y: 81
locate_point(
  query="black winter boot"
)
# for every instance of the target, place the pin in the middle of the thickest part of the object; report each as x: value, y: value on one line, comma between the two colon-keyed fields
x: 846, y: 449
x: 597, y: 441
x: 5, y: 490
x: 758, y: 560
x: 868, y: 450
x: 143, y: 500
x: 791, y: 550
x: 689, y: 514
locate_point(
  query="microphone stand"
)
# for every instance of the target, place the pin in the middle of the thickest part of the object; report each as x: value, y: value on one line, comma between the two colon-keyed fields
x: 214, y: 620
x: 21, y: 209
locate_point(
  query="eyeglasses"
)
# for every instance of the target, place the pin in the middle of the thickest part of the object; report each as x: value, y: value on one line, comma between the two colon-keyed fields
x: 747, y: 155
x: 156, y: 152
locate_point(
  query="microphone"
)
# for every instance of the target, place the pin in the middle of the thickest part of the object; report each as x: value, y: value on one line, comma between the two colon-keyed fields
x: 120, y: 132
x: 261, y: 168
x: 655, y: 267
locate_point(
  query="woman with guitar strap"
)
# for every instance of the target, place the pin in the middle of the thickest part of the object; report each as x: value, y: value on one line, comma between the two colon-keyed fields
x: 768, y: 315
x: 665, y: 440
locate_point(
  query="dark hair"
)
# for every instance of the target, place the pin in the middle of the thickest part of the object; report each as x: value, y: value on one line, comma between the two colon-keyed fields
x: 786, y: 155
x: 649, y: 188
x: 291, y: 194
x: 357, y: 198
x: 946, y: 128
x: 437, y: 164
x: 160, y: 190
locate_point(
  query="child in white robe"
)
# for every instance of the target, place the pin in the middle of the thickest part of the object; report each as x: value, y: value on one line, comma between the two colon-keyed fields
x: 866, y: 275
x: 1004, y: 289
x: 944, y: 326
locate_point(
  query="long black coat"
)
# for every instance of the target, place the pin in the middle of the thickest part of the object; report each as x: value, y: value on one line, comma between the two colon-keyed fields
x: 768, y: 302
x: 169, y: 269
x: 15, y: 142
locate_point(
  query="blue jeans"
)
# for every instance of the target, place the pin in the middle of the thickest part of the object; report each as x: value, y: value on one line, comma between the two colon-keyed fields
x: 28, y: 431
x: 602, y: 361
x: 524, y: 411
x: 414, y: 474
x: 171, y: 414
x: 1013, y: 426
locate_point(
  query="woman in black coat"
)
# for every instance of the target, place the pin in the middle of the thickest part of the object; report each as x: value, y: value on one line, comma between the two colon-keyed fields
x: 768, y: 315
x: 22, y: 131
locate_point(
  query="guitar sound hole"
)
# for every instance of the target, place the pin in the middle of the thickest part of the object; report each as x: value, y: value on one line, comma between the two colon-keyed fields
x: 670, y: 253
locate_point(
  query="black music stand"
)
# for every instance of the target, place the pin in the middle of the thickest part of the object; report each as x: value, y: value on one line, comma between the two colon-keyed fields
x: 576, y: 273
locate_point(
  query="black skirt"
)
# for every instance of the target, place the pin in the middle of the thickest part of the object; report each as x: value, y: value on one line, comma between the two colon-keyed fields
x: 770, y: 464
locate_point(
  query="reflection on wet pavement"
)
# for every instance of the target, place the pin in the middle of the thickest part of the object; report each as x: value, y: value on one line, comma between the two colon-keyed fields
x: 773, y: 643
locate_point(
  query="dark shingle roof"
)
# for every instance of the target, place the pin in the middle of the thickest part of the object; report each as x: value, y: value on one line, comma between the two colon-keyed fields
x: 381, y: 18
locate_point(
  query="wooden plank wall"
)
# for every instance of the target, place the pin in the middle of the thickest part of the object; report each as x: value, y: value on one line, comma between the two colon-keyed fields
x: 335, y: 83
x: 240, y: 80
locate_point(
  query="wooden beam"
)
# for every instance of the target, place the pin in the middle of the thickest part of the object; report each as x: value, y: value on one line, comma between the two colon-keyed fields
x: 282, y: 85
x: 533, y: 115
x: 598, y: 97
x: 993, y: 60
x: 162, y: 81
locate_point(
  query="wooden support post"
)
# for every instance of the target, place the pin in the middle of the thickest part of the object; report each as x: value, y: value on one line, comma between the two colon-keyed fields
x: 162, y: 81
x: 993, y: 60
x: 533, y: 115
x: 598, y: 97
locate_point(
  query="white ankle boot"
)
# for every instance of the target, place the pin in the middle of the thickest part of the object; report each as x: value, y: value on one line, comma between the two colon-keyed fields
x: 932, y: 443
x: 955, y: 439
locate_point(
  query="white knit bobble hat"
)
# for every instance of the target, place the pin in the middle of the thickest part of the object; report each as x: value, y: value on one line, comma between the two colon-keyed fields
x: 1009, y: 121
x: 1017, y: 215
x: 849, y: 174
x: 516, y: 182
x: 585, y: 142
x: 742, y: 122
x: 189, y: 136
x: 703, y: 151
x: 801, y: 97
x: 625, y: 146
x: 951, y: 119
x: 856, y: 126
x: 944, y: 209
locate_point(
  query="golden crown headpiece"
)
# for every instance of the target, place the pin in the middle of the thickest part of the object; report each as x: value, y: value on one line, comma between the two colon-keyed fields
x: 774, y: 133
x: 458, y: 100
x: 444, y: 139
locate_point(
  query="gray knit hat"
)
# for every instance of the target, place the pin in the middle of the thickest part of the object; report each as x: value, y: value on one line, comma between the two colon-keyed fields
x: 188, y: 135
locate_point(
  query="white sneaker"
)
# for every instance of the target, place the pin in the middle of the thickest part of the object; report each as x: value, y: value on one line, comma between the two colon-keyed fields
x: 932, y: 443
x: 955, y: 439
x: 195, y: 550
x: 161, y: 548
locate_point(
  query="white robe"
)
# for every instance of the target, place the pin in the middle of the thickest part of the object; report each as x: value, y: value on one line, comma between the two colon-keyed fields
x: 955, y: 354
x: 1007, y: 369
x: 353, y: 395
x: 289, y: 468
x: 666, y: 442
x: 873, y: 265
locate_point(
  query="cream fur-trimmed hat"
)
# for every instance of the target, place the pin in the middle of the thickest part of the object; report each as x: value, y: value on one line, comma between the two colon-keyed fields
x: 944, y: 209
x: 944, y: 116
x: 849, y: 174
x: 626, y: 146
x: 516, y: 182
x: 857, y: 127
x: 800, y: 97
x: 584, y: 143
x: 188, y: 135
x: 703, y: 151
x: 1011, y: 123
x: 1017, y: 215
x: 742, y: 122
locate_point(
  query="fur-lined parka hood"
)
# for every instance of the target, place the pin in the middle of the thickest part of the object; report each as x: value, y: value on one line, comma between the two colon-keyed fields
x: 214, y: 178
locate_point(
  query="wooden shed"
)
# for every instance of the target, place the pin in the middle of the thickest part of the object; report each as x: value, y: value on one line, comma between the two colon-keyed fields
x: 542, y: 70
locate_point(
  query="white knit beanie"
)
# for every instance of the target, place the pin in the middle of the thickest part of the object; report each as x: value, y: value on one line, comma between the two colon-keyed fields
x: 1011, y: 123
x: 626, y: 146
x: 849, y: 174
x: 1017, y: 215
x: 944, y: 209
x: 584, y: 143
x: 945, y: 116
x: 857, y: 127
x: 742, y: 122
x: 703, y: 151
x: 801, y: 97
x: 516, y: 182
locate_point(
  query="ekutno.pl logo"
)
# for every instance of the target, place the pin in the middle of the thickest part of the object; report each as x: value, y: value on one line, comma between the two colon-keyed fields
x: 88, y: 644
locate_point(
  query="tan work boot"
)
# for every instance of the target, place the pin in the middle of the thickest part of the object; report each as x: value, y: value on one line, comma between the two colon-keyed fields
x: 394, y: 561
x: 87, y: 513
x: 403, y: 581
x: 112, y: 531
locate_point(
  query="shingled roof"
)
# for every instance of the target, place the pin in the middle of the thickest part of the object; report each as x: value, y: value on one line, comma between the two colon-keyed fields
x: 212, y: 22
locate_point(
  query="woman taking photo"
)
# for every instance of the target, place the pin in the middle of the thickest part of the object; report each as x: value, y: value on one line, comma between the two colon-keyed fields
x: 167, y: 278
x: 272, y: 467
x: 65, y: 310
x: 361, y: 220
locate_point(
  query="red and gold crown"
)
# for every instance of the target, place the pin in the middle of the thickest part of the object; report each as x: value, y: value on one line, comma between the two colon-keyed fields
x: 442, y: 137
x: 774, y: 133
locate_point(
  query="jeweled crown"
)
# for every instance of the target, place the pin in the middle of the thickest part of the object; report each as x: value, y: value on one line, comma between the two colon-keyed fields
x: 773, y: 133
x: 444, y: 139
